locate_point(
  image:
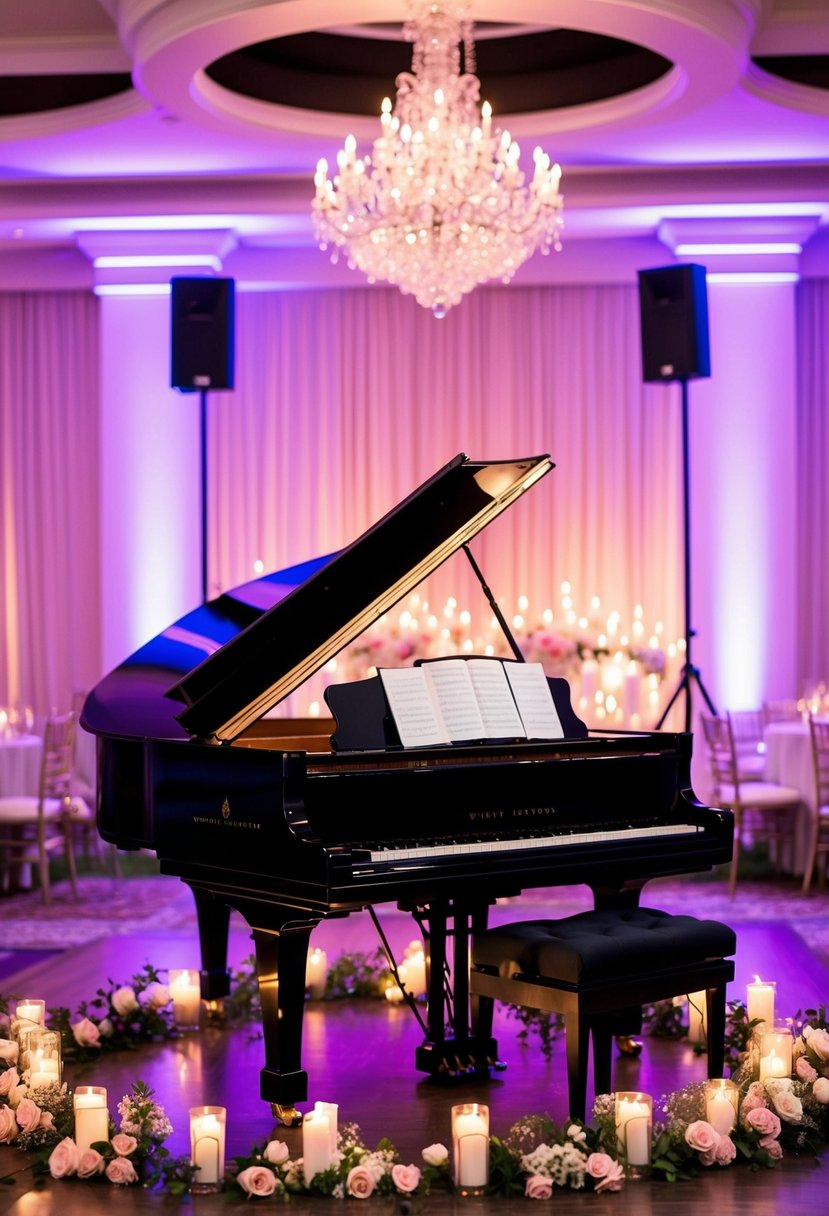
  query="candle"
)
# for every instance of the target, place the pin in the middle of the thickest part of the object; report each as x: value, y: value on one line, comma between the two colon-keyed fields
x: 316, y: 1144
x: 29, y: 1014
x: 632, y: 691
x: 589, y: 679
x: 185, y: 989
x: 760, y: 1003
x: 415, y: 964
x: 721, y: 1098
x: 44, y: 1057
x: 207, y: 1146
x: 394, y: 994
x: 91, y: 1116
x: 316, y: 973
x: 697, y: 1030
x: 470, y: 1146
x: 329, y: 1111
x: 775, y: 1053
x: 633, y: 1131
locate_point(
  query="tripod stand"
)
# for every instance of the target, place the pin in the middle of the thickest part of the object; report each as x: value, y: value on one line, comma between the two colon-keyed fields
x: 689, y: 674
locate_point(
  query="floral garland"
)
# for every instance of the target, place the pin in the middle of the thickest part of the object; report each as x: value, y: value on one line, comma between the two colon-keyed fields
x: 773, y: 1117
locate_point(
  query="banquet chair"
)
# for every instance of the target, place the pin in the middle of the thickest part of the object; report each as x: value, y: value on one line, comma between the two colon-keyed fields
x: 819, y: 828
x: 747, y: 729
x: 33, y: 826
x: 780, y: 711
x: 762, y: 809
x: 84, y: 793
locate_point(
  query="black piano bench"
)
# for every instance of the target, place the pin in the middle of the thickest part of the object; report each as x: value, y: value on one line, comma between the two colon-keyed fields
x: 596, y: 964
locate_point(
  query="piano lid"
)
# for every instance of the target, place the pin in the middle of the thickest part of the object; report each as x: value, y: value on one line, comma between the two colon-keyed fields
x: 267, y: 646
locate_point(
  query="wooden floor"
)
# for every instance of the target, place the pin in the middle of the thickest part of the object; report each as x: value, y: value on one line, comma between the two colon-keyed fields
x: 361, y: 1056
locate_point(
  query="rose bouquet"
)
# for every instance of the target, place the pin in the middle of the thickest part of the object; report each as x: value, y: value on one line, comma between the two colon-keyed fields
x: 117, y: 1018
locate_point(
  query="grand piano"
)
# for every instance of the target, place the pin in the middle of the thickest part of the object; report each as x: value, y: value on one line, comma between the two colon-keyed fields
x: 290, y: 823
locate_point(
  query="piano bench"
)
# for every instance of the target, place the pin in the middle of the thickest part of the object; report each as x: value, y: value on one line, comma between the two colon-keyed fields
x: 594, y: 965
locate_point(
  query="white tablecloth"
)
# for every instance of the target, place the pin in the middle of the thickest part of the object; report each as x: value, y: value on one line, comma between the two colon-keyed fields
x: 789, y: 762
x: 20, y: 764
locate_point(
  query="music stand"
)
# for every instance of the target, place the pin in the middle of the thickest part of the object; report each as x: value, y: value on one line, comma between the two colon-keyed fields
x: 689, y: 674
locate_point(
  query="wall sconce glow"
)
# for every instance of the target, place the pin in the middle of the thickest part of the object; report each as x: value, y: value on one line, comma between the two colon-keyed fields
x: 122, y: 262
x: 131, y: 289
x: 739, y: 247
x: 748, y: 276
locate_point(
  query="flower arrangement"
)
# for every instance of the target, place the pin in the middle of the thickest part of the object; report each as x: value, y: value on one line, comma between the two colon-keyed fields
x: 116, y: 1018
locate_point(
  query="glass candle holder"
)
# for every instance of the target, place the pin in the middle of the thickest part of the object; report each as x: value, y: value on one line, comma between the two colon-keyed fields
x: 775, y: 1053
x: 44, y: 1059
x: 28, y: 1015
x: 91, y: 1116
x: 470, y: 1147
x: 634, y: 1129
x: 722, y: 1100
x: 207, y: 1147
x: 697, y: 1012
x: 760, y: 997
x: 185, y: 991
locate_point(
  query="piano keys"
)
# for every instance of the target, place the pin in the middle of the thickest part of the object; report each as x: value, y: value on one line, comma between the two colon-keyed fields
x: 292, y: 822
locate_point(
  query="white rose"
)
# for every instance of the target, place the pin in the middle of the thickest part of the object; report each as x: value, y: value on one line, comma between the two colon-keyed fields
x: 105, y: 1028
x: 124, y: 1001
x: 435, y: 1155
x: 276, y: 1152
x: 787, y: 1105
x: 156, y: 995
x: 820, y: 1089
x: 818, y: 1041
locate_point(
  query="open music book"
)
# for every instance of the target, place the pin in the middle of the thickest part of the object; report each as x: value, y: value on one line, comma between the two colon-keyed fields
x: 459, y: 700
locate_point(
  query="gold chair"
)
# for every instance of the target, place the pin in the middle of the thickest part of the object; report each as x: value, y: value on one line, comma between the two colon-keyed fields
x: 780, y: 711
x: 33, y: 826
x: 747, y: 729
x: 762, y: 809
x: 819, y: 838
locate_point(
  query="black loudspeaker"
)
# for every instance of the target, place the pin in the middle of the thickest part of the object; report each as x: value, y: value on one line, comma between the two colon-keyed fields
x: 673, y: 306
x: 201, y: 334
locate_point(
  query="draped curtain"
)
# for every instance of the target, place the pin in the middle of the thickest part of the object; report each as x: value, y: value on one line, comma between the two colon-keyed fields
x: 49, y: 546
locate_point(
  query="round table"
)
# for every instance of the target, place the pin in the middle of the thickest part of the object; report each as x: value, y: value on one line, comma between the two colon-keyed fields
x: 789, y: 762
x: 20, y: 764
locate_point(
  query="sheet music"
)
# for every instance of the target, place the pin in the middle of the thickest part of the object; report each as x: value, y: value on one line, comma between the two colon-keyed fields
x: 534, y: 700
x: 415, y: 714
x: 455, y: 695
x: 500, y: 715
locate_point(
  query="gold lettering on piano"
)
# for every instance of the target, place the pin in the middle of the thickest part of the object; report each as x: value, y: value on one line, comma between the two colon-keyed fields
x: 226, y: 822
x: 517, y: 812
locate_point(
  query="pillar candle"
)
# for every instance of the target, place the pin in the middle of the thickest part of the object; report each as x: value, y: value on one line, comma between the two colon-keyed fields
x: 316, y: 1144
x: 207, y: 1145
x: 415, y: 963
x: 633, y: 1128
x: 330, y: 1111
x: 91, y: 1116
x: 760, y: 1003
x: 470, y: 1142
x: 185, y: 990
x: 775, y: 1053
x: 721, y: 1098
x: 316, y: 973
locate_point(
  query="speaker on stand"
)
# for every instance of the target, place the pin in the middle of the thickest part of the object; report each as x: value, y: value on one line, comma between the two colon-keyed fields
x: 202, y: 342
x: 673, y: 306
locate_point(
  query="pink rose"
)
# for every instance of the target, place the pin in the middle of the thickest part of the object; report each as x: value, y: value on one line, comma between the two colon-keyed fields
x: 726, y: 1151
x: 702, y: 1136
x: 360, y: 1182
x: 86, y: 1033
x: 8, y: 1125
x: 121, y: 1171
x: 818, y: 1041
x: 156, y: 995
x: 772, y: 1147
x: 538, y: 1187
x: 709, y: 1156
x: 10, y: 1079
x: 124, y: 1145
x: 124, y: 1001
x: 16, y: 1095
x: 90, y: 1163
x: 406, y: 1178
x: 63, y: 1159
x: 608, y: 1172
x: 277, y: 1152
x: 257, y: 1180
x: 764, y: 1121
x: 9, y: 1051
x: 29, y: 1115
x: 751, y: 1102
x: 820, y: 1090
x: 804, y: 1070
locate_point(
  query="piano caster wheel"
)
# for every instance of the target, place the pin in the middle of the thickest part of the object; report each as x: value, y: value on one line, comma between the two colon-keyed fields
x: 288, y: 1116
x: 499, y: 1065
x: 629, y: 1046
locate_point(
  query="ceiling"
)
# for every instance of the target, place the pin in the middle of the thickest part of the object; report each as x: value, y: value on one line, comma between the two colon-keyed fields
x: 192, y: 127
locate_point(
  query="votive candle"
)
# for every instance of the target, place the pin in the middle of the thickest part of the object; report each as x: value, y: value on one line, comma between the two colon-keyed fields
x: 207, y: 1146
x: 316, y: 973
x: 185, y: 990
x: 721, y: 1100
x: 634, y: 1127
x: 760, y: 1003
x: 91, y: 1116
x: 775, y: 1053
x: 470, y: 1147
x: 697, y: 1009
x: 28, y: 1014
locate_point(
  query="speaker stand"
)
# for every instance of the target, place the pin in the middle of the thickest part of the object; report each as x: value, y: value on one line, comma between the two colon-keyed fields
x: 689, y: 675
x: 203, y: 470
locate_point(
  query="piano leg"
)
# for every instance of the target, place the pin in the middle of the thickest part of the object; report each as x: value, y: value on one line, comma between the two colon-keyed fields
x: 281, y: 955
x: 214, y: 924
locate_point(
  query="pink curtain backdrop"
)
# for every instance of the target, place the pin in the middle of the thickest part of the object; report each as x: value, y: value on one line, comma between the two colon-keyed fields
x: 345, y: 401
x: 813, y: 462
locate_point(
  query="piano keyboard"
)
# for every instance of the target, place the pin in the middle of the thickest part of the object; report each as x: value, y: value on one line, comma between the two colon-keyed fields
x: 390, y: 856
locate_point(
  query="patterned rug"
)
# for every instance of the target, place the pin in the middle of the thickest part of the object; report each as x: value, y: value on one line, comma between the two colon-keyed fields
x: 150, y: 904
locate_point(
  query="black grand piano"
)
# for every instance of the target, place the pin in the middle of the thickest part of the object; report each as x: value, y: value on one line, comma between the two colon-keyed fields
x: 273, y: 818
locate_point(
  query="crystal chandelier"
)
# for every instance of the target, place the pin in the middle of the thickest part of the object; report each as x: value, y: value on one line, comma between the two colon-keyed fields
x: 441, y: 204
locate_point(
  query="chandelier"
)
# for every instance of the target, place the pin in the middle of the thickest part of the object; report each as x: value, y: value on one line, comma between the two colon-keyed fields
x: 441, y: 204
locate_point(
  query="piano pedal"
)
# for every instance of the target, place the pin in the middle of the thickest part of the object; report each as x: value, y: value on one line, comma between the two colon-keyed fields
x: 628, y: 1046
x: 288, y: 1116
